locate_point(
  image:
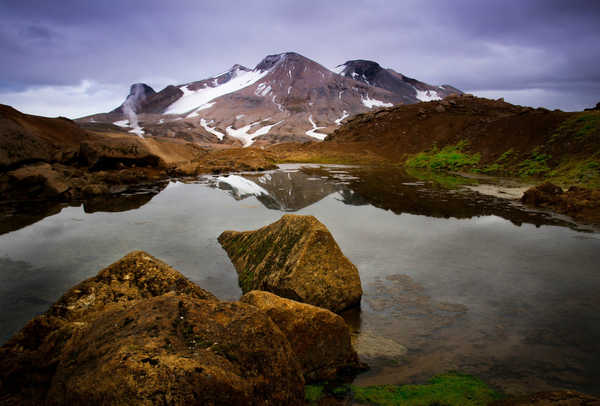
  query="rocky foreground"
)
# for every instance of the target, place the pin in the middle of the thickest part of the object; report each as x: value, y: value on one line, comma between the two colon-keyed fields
x: 141, y: 333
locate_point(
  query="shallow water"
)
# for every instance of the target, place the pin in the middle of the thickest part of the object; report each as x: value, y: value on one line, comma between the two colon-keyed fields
x: 452, y: 280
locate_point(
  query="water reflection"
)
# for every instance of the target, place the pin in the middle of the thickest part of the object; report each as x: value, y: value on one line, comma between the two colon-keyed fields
x: 290, y: 189
x: 296, y: 187
x: 15, y: 215
x: 449, y: 281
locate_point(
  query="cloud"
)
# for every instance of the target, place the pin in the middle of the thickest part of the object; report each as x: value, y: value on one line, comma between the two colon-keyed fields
x: 504, y: 45
x: 86, y: 98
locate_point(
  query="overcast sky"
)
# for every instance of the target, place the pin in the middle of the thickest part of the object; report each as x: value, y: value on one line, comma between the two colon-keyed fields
x: 77, y: 57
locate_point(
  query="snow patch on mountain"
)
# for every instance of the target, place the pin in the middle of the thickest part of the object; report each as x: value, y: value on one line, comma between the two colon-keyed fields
x: 192, y: 99
x: 313, y: 132
x: 279, y: 106
x: 211, y: 130
x: 243, y: 135
x: 122, y: 123
x: 370, y: 103
x: 139, y: 131
x: 344, y: 115
x: 427, y: 95
x: 262, y: 89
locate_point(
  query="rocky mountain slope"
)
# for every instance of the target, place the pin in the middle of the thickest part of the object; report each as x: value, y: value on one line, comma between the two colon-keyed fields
x: 410, y: 90
x: 286, y: 97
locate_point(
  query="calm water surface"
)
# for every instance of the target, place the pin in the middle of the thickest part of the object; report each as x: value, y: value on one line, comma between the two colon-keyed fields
x: 452, y: 280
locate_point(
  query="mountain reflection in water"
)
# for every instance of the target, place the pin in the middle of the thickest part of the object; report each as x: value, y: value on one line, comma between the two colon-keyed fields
x: 449, y: 281
x: 295, y: 187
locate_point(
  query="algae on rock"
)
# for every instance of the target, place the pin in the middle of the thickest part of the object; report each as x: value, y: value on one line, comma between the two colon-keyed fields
x: 297, y: 258
x: 319, y: 338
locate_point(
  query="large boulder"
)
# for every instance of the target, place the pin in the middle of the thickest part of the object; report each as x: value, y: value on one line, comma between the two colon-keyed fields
x: 138, y: 275
x: 297, y: 258
x: 141, y: 333
x: 319, y: 338
x: 177, y: 350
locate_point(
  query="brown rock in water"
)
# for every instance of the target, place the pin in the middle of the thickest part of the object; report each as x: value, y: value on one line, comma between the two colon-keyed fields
x: 297, y: 258
x: 544, y: 193
x: 141, y: 333
x: 580, y: 203
x: 319, y: 338
x: 178, y: 350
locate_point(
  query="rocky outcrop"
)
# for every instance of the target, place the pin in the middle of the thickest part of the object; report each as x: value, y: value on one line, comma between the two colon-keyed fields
x: 297, y: 258
x: 26, y: 138
x: 580, y: 203
x: 319, y: 338
x: 112, y: 154
x: 39, y: 180
x: 544, y: 193
x: 141, y: 333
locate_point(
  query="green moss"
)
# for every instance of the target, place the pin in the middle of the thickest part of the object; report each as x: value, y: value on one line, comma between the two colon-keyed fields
x: 583, y: 172
x: 505, y: 156
x: 448, y: 390
x: 536, y: 165
x: 493, y: 168
x: 581, y: 126
x: 313, y: 393
x: 451, y: 157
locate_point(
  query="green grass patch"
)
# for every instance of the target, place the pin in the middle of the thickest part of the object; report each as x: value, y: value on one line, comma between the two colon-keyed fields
x: 313, y: 393
x: 581, y: 126
x: 449, y: 158
x: 451, y: 389
x: 535, y: 165
x: 582, y: 172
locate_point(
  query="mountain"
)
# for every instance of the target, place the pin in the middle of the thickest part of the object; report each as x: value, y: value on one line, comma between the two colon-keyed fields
x: 410, y: 90
x: 286, y: 97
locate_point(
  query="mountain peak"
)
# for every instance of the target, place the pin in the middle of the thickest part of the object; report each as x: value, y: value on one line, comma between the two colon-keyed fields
x: 238, y: 67
x: 272, y: 60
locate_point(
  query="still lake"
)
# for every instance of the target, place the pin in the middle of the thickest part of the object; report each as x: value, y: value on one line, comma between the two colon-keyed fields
x: 452, y: 280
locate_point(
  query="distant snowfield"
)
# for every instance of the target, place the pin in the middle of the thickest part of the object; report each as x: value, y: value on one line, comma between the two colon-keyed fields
x: 242, y: 186
x: 427, y: 95
x: 243, y: 135
x: 370, y: 103
x: 193, y: 99
x: 313, y: 132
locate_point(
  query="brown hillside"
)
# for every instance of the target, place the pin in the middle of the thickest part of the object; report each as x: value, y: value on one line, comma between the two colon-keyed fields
x: 490, y: 126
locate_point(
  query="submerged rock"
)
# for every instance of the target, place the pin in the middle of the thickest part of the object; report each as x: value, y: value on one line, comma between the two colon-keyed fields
x: 319, y: 338
x: 141, y: 333
x: 297, y: 258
